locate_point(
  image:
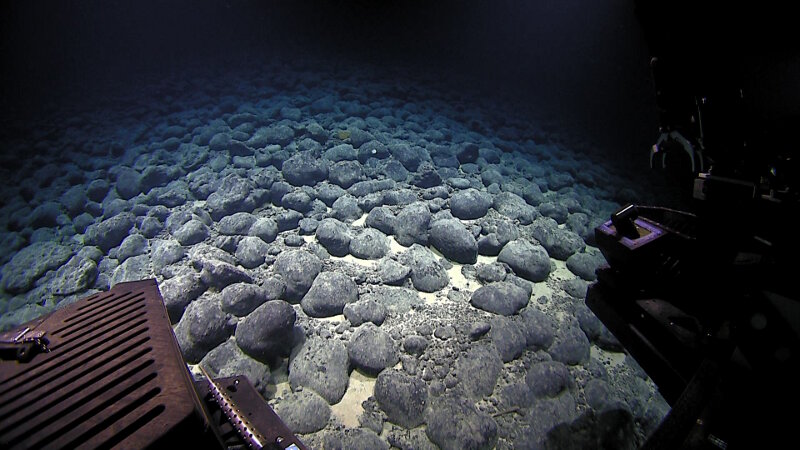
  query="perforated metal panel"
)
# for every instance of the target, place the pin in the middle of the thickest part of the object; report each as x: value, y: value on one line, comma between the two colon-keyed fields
x: 114, y: 377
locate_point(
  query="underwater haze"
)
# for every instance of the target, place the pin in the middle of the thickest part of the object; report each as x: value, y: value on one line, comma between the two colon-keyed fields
x: 381, y: 213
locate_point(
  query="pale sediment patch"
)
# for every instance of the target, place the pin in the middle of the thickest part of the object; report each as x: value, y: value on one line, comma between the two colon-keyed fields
x: 360, y: 221
x: 337, y: 318
x: 368, y: 263
x: 612, y: 359
x: 483, y: 259
x: 395, y: 247
x: 360, y: 388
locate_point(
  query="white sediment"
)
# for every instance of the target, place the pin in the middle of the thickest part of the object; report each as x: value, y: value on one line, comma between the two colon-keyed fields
x: 360, y: 388
x: 360, y: 221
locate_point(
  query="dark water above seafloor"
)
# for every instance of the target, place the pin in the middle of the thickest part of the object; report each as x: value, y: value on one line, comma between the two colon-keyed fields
x: 583, y: 62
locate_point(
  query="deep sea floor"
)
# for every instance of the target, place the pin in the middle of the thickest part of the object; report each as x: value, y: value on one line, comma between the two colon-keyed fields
x: 391, y: 261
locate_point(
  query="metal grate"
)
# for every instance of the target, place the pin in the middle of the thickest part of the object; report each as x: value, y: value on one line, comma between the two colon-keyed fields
x: 113, y: 377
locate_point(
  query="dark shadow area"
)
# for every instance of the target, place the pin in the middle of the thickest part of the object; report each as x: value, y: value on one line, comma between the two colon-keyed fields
x: 583, y: 62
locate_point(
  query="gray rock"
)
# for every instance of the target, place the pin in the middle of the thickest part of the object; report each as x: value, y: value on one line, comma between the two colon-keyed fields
x: 192, y: 232
x: 426, y: 176
x: 575, y: 287
x: 415, y: 345
x: 514, y: 207
x: 77, y: 275
x: 278, y: 134
x: 264, y: 228
x: 400, y: 197
x: 133, y: 245
x: 240, y: 299
x: 598, y: 393
x: 533, y: 194
x: 363, y: 311
x: 555, y: 211
x: 321, y: 365
x: 237, y: 223
x: 164, y: 252
x: 30, y: 263
x: 328, y: 295
x: 503, y: 298
x: 468, y: 153
x: 110, y: 232
x: 397, y: 300
x: 150, y: 227
x: 202, y: 327
x: 231, y: 196
x: 359, y: 137
x: 548, y: 379
x: 402, y: 397
x: 436, y: 192
x: 298, y: 269
x: 490, y: 273
x: 408, y: 156
x: 571, y: 346
x: 308, y: 226
x: 267, y: 332
x: 334, y: 236
x: 278, y: 190
x: 372, y: 349
x: 346, y: 209
x: 454, y: 241
x: 127, y: 183
x: 478, y: 330
x: 355, y: 439
x: 470, y: 204
x: 381, y: 218
x: 427, y: 274
x: 392, y: 272
x: 299, y: 201
x: 454, y: 423
x: 158, y: 175
x: 341, y: 152
x: 445, y: 332
x: 178, y: 292
x: 133, y: 269
x: 580, y: 224
x: 560, y: 243
x: 304, y: 411
x: 527, y: 260
x: 545, y: 415
x: 410, y: 439
x: 478, y: 369
x: 228, y: 360
x: 97, y: 189
x: 288, y: 220
x: 220, y: 274
x: 294, y: 240
x: 363, y: 188
x: 491, y: 176
x: 328, y: 193
x: 507, y: 337
x: 304, y: 170
x: 345, y: 173
x: 411, y: 225
x: 273, y: 288
x: 395, y: 171
x: 251, y: 252
x: 372, y: 149
x: 74, y: 200
x: 538, y: 327
x: 489, y: 245
x: 369, y: 244
x: 584, y: 265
